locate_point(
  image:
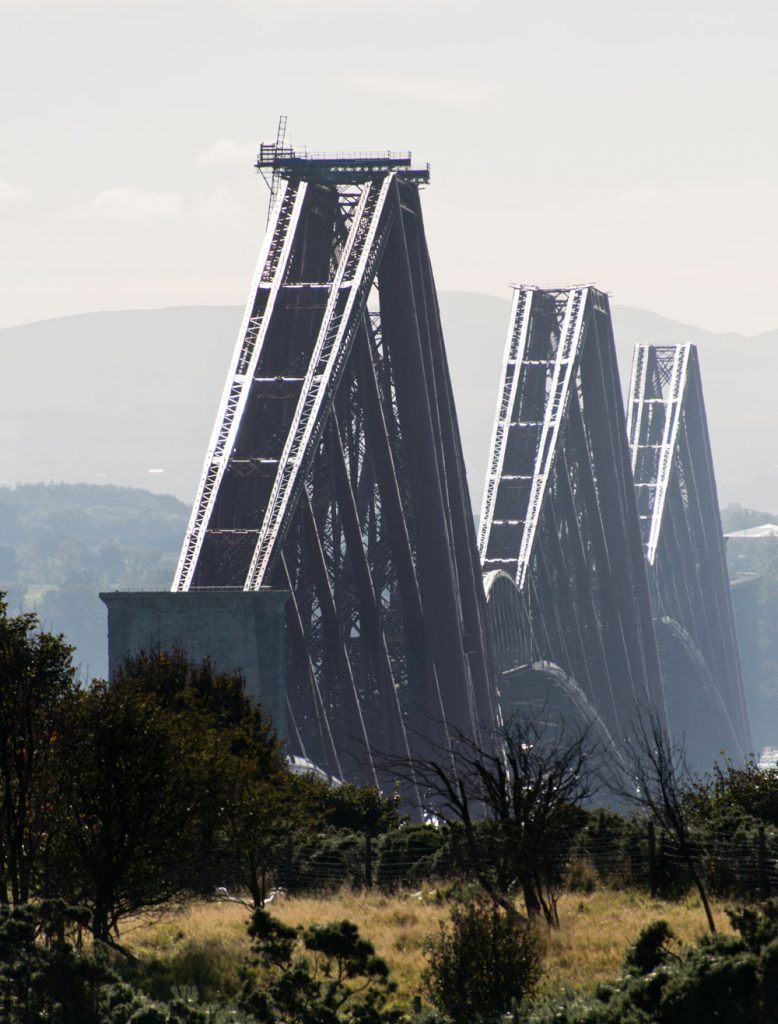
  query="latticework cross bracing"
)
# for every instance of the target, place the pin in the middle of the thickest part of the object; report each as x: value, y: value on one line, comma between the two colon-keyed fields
x: 681, y: 527
x: 335, y: 472
x: 559, y: 512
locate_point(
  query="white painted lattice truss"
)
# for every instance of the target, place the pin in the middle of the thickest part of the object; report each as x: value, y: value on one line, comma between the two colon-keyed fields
x: 659, y: 376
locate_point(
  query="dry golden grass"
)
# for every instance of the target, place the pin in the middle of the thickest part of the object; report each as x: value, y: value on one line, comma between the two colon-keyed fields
x: 596, y: 929
x: 588, y: 948
x: 398, y: 926
x: 197, y: 922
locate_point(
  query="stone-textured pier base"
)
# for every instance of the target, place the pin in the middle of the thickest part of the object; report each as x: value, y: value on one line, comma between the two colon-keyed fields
x: 235, y: 629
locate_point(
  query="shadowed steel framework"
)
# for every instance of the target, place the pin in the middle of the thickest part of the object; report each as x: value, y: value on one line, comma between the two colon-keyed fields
x: 335, y: 470
x: 559, y: 518
x: 680, y: 523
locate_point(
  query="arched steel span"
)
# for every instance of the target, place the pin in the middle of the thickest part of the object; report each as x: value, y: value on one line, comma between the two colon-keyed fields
x: 559, y: 514
x: 508, y: 622
x: 335, y: 471
x: 680, y: 522
x: 533, y: 688
x: 696, y: 710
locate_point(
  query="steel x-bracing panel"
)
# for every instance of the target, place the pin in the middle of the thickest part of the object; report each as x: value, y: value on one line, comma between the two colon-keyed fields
x: 559, y: 514
x: 336, y: 472
x: 675, y: 489
x: 271, y: 269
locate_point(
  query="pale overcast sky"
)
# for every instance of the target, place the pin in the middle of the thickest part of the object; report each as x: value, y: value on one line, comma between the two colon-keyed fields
x: 627, y: 143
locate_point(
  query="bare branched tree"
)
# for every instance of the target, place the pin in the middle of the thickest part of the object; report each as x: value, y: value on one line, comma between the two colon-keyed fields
x: 657, y: 779
x: 517, y: 797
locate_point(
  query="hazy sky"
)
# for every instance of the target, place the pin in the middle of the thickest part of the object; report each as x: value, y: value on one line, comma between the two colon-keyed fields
x: 632, y: 144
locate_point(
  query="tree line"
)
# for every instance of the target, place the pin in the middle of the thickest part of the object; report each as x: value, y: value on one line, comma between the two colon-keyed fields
x: 120, y: 797
x: 169, y: 782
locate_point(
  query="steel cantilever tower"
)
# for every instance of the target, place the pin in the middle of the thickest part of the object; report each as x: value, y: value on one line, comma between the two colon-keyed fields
x: 681, y: 527
x: 335, y: 470
x: 559, y: 517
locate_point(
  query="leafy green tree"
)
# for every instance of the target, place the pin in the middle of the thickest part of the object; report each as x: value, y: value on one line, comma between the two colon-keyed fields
x: 416, y: 853
x: 258, y: 805
x: 135, y: 786
x: 735, y: 789
x: 180, y: 685
x: 36, y: 681
x: 263, y: 806
x: 327, y: 859
x: 360, y: 809
x: 174, y: 780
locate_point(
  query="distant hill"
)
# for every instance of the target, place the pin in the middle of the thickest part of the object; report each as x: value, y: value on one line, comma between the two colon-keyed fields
x: 740, y: 379
x: 61, y: 544
x: 111, y: 397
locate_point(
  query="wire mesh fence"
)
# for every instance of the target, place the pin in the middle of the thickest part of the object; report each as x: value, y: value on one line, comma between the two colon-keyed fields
x: 737, y: 862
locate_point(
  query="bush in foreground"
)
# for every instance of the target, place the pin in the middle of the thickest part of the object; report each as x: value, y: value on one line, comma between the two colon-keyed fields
x: 325, y: 974
x: 720, y: 978
x: 483, y: 965
x: 45, y: 976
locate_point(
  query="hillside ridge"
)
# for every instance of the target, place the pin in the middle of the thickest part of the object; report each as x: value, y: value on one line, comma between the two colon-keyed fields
x: 128, y: 397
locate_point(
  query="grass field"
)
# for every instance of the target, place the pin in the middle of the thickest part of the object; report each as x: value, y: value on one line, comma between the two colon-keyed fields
x: 206, y: 942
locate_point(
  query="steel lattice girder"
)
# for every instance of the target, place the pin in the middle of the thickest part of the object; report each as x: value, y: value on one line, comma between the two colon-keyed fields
x: 335, y: 471
x: 681, y: 527
x: 559, y: 514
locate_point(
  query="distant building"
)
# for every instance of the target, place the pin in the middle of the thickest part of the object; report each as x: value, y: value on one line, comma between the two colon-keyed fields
x: 767, y: 531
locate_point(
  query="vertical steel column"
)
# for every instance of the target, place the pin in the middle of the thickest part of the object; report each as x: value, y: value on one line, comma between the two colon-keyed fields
x: 407, y: 342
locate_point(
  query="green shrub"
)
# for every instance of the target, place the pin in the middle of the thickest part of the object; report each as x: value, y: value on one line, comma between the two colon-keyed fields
x: 615, y: 846
x: 650, y: 949
x: 482, y: 966
x: 326, y: 861
x: 411, y: 855
x: 757, y: 925
x: 325, y: 974
x: 709, y: 987
x: 56, y: 982
x: 726, y: 979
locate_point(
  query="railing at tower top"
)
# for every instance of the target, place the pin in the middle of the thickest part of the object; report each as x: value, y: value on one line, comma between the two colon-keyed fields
x: 285, y: 161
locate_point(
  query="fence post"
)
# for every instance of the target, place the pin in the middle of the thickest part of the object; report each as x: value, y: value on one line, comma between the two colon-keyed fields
x: 652, y: 874
x: 368, y: 862
x: 764, y: 877
x: 663, y: 869
x: 288, y: 863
